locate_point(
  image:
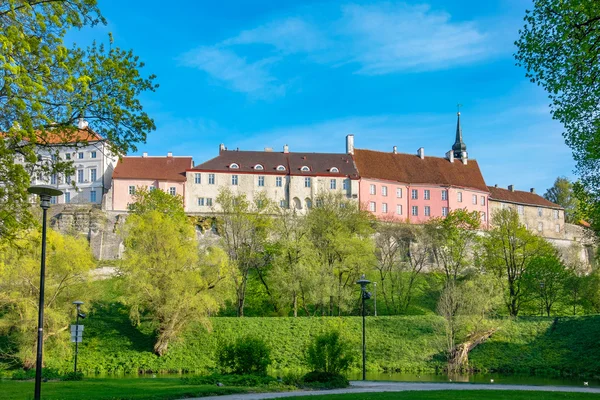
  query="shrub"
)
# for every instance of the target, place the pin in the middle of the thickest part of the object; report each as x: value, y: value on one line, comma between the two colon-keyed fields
x: 324, y: 380
x: 229, y: 380
x: 72, y: 376
x: 27, y: 374
x: 247, y: 355
x: 329, y: 353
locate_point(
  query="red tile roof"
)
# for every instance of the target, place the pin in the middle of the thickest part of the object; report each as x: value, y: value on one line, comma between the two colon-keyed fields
x: 520, y: 197
x: 409, y: 168
x: 318, y: 163
x: 155, y: 168
x: 75, y: 136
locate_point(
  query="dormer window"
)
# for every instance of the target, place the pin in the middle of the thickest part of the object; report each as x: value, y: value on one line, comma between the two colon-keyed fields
x: 334, y: 169
x: 305, y: 169
x: 280, y: 168
x: 234, y: 166
x: 258, y: 167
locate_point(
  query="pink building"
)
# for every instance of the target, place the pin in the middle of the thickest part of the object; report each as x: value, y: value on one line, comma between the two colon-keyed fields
x: 164, y: 173
x: 416, y: 188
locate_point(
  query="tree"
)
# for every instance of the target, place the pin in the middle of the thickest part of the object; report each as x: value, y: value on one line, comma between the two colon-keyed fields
x: 164, y: 277
x: 244, y: 227
x: 46, y: 87
x: 145, y: 200
x: 68, y: 266
x: 561, y: 193
x: 559, y: 48
x: 509, y: 249
x: 545, y: 279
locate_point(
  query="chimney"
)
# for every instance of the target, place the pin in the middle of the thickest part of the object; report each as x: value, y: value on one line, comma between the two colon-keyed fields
x: 421, y: 153
x: 144, y: 154
x: 268, y: 149
x: 395, y: 150
x: 464, y: 157
x: 532, y: 190
x: 169, y: 154
x: 496, y: 185
x: 350, y: 144
x: 511, y: 188
x: 450, y: 156
x: 222, y: 148
x: 286, y: 148
x: 82, y: 123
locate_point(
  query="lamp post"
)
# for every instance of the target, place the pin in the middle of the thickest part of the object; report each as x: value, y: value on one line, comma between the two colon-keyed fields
x: 364, y: 295
x: 375, y: 297
x: 78, y: 304
x: 45, y: 192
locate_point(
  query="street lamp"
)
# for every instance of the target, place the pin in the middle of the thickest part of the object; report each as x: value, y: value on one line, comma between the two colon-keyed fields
x: 45, y: 192
x: 78, y: 304
x: 364, y: 295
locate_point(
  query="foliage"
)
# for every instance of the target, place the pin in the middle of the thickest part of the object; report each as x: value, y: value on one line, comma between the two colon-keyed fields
x: 545, y: 278
x: 509, y: 248
x: 247, y: 355
x: 561, y: 193
x: 230, y: 380
x: 68, y: 265
x: 324, y: 380
x: 329, y: 353
x: 73, y: 376
x: 29, y: 374
x: 145, y: 200
x: 45, y: 87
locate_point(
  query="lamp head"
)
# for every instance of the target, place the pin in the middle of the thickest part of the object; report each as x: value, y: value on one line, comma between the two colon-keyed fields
x: 45, y: 192
x: 363, y: 282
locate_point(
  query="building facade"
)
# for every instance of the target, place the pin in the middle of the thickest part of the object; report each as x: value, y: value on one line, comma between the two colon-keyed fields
x: 164, y: 173
x: 289, y: 179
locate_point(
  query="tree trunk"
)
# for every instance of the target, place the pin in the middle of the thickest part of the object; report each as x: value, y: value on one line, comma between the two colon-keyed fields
x: 295, y: 302
x: 459, y: 358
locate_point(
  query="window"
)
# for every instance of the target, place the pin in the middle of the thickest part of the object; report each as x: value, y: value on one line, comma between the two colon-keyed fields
x: 234, y: 166
x: 307, y: 182
x: 93, y: 175
x: 520, y: 210
x: 319, y: 203
x: 132, y: 190
x: 426, y: 194
x: 308, y: 203
x: 80, y: 155
x: 258, y: 167
x: 93, y: 196
x: 279, y: 181
x: 53, y: 200
x: 332, y: 184
x: 384, y: 190
x: 282, y: 203
x: 197, y: 178
x: 459, y: 197
x: 334, y: 170
x: 540, y: 211
x: 444, y: 211
x: 211, y: 179
x: 482, y: 200
x: 557, y: 228
x: 384, y: 208
x: 209, y: 202
x: 304, y: 169
x: 399, y: 193
x: 152, y: 188
x: 444, y: 195
x: 372, y: 206
x: 555, y: 214
x: 427, y: 211
x: 372, y: 189
x: 93, y: 154
x: 80, y: 176
x: 280, y: 168
x: 474, y: 199
x: 67, y: 197
x: 67, y: 156
x: 399, y: 209
x: 172, y: 190
x: 414, y: 194
x: 345, y: 184
x: 415, y: 211
x: 234, y: 180
x: 53, y: 179
x: 201, y: 201
x: 540, y: 226
x: 483, y: 217
x: 261, y: 181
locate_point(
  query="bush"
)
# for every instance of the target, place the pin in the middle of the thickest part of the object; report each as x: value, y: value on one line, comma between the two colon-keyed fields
x: 28, y: 374
x: 229, y: 380
x: 328, y: 353
x: 246, y: 356
x: 324, y: 380
x: 72, y: 376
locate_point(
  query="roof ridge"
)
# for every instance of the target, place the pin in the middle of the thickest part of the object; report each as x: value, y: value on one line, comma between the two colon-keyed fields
x: 409, y: 154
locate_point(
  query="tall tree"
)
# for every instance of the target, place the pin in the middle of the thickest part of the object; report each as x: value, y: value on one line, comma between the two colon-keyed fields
x: 45, y: 87
x: 561, y: 193
x: 559, y: 48
x: 545, y: 279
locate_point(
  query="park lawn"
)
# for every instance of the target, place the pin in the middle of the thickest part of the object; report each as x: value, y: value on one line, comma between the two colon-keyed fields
x: 115, y: 389
x: 459, y: 395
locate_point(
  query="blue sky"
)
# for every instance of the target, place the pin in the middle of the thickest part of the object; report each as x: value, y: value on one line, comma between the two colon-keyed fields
x: 255, y: 74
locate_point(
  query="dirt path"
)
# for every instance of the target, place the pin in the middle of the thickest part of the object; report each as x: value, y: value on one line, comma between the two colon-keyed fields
x: 372, y: 386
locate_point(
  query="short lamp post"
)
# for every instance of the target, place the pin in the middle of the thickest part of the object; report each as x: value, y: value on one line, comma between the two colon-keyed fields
x: 45, y: 193
x: 364, y: 295
x: 81, y: 315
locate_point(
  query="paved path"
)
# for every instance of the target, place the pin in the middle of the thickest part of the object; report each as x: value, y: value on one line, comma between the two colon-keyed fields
x: 373, y: 386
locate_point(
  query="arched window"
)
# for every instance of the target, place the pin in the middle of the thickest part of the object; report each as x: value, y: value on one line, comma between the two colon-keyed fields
x: 280, y: 168
x: 258, y: 167
x: 234, y: 166
x: 305, y: 169
x: 334, y: 169
x: 308, y: 203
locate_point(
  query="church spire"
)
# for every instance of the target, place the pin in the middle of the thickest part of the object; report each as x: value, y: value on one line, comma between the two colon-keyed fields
x: 459, y: 146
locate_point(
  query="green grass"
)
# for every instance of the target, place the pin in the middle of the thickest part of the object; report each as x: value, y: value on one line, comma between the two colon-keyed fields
x: 459, y: 395
x: 115, y: 389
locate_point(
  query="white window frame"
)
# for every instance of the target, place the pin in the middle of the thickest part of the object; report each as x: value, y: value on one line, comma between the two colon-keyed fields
x: 259, y: 167
x: 80, y: 155
x: 278, y: 181
x: 426, y: 194
x: 444, y: 211
x: 211, y: 179
x: 333, y: 184
x: 200, y: 202
x: 556, y: 214
x: 414, y: 211
x: 173, y: 190
x: 209, y: 201
x: 131, y: 190
x: 304, y: 168
x: 399, y: 209
x: 334, y: 170
x: 427, y: 211
x: 372, y: 189
x: 307, y: 182
x: 384, y: 191
x: 414, y: 194
x: 398, y: 193
x: 384, y: 208
x: 540, y: 211
x: 261, y: 181
x: 234, y: 180
x: 520, y: 209
x: 92, y: 154
x: 93, y: 174
x: 197, y: 178
x: 482, y: 202
x: 445, y: 194
x: 280, y: 168
x: 80, y: 176
x: 459, y: 197
x: 234, y: 166
x: 345, y: 185
x: 474, y: 199
x: 372, y: 206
